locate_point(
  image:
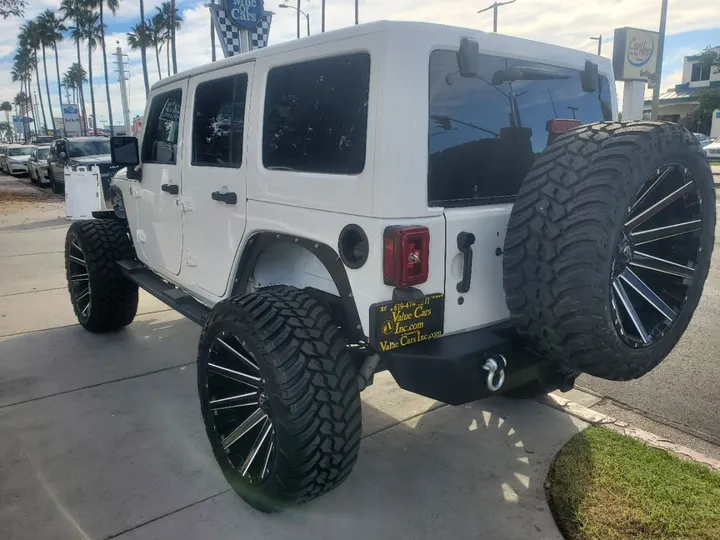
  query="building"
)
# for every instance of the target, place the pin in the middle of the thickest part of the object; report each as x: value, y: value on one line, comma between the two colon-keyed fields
x: 676, y: 103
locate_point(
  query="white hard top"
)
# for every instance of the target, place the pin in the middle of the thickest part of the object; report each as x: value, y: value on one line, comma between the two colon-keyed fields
x: 400, y: 31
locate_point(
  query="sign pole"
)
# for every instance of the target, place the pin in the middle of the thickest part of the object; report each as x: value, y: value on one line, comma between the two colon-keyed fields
x: 658, y: 73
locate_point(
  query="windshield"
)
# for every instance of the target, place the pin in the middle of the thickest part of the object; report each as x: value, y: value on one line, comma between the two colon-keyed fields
x: 43, y: 153
x: 89, y: 148
x: 483, y: 137
x: 23, y: 151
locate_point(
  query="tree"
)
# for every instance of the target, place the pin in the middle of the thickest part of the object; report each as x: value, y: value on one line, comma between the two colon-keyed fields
x: 112, y: 5
x: 169, y: 20
x: 22, y: 72
x: 143, y: 54
x: 709, y: 101
x: 29, y: 39
x: 7, y: 108
x: 155, y: 38
x: 12, y: 8
x: 52, y: 34
x: 710, y: 57
x: 138, y: 39
x: 75, y: 10
x: 91, y: 32
x: 21, y: 104
x: 75, y: 77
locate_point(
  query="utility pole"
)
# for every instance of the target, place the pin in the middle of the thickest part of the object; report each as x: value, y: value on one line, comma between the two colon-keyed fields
x: 322, y: 23
x: 494, y: 7
x: 298, y: 19
x: 212, y: 31
x: 599, y: 40
x: 658, y: 73
x: 122, y: 79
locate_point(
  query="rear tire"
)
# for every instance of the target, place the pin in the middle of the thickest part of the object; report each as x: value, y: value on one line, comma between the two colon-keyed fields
x: 591, y: 226
x: 300, y: 383
x: 104, y: 300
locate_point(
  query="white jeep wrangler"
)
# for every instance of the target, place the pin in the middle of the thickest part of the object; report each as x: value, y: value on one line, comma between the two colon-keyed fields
x: 460, y: 208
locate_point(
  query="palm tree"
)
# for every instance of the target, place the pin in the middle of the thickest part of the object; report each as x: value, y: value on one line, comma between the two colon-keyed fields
x: 143, y: 38
x: 75, y: 10
x: 155, y: 38
x: 138, y: 38
x: 29, y: 39
x: 69, y: 83
x: 91, y: 32
x: 5, y: 130
x: 112, y: 5
x: 75, y: 77
x: 21, y: 104
x: 170, y: 21
x: 7, y: 107
x: 52, y: 34
x: 22, y: 73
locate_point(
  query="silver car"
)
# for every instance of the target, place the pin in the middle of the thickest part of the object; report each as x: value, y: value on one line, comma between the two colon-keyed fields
x: 38, y: 165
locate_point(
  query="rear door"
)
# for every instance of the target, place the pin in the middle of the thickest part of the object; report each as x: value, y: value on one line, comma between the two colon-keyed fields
x: 215, y: 176
x: 479, y: 154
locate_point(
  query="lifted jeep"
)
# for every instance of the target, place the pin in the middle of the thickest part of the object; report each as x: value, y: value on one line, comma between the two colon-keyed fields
x: 460, y: 208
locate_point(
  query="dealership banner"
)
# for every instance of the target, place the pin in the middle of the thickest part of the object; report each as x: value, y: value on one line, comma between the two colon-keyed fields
x: 71, y: 120
x: 635, y: 55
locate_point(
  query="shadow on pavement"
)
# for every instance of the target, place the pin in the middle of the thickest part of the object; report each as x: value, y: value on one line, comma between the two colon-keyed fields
x: 34, y: 225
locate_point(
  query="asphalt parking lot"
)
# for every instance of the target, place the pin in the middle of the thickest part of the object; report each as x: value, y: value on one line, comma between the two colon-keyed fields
x: 101, y: 435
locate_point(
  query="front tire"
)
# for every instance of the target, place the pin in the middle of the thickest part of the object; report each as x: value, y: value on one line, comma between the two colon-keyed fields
x: 608, y: 246
x: 104, y: 300
x: 279, y: 397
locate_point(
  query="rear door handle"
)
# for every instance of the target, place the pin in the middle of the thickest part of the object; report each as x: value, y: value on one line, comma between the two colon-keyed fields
x: 172, y: 189
x: 464, y: 242
x: 228, y: 197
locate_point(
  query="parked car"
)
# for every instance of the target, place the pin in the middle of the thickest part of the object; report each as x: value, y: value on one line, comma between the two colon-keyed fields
x: 38, y: 165
x: 80, y: 151
x: 712, y: 150
x: 17, y: 158
x: 41, y: 140
x: 3, y: 155
x: 704, y: 139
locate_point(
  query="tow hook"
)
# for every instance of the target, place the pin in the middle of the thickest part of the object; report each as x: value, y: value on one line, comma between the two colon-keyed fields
x: 495, y: 366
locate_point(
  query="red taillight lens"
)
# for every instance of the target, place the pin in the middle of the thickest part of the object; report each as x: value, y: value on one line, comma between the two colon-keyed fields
x: 561, y: 125
x: 405, y: 255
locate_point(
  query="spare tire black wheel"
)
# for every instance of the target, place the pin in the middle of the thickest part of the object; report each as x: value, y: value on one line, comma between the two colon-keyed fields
x: 608, y: 246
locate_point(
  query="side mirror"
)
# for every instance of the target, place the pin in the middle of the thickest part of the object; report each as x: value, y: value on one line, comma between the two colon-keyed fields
x: 468, y: 58
x: 589, y: 77
x: 125, y: 153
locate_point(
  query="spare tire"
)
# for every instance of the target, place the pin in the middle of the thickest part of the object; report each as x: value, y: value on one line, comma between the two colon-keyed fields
x: 608, y: 246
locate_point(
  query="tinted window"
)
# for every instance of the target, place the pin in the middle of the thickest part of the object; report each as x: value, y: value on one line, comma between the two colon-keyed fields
x: 479, y: 151
x: 219, y: 120
x: 88, y: 148
x: 42, y: 153
x: 316, y: 115
x: 161, y: 133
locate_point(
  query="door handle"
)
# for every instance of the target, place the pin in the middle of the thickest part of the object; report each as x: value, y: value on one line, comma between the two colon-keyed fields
x: 464, y: 242
x: 172, y: 189
x: 228, y: 198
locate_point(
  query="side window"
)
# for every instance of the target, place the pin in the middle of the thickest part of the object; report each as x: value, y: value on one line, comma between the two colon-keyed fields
x: 218, y: 122
x: 315, y: 117
x: 161, y: 133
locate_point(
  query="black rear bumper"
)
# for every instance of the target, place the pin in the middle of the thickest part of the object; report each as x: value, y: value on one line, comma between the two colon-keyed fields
x: 450, y: 369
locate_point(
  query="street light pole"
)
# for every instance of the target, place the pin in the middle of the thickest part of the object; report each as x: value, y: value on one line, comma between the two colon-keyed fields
x: 495, y: 7
x: 599, y: 40
x: 299, y: 11
x: 658, y: 73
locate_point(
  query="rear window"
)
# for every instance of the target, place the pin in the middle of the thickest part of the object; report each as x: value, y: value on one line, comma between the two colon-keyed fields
x: 315, y: 116
x: 479, y: 152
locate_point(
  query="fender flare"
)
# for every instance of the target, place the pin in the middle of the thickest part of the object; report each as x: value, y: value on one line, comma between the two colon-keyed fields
x: 324, y: 253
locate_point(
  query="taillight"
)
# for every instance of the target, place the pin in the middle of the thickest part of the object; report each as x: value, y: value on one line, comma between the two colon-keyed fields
x: 405, y: 255
x: 561, y: 125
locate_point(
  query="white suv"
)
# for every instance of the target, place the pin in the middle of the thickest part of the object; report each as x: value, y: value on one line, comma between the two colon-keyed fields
x: 460, y: 208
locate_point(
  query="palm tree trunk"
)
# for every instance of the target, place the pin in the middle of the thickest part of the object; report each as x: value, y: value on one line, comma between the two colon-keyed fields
x: 47, y: 88
x: 157, y: 57
x: 57, y: 71
x: 42, y: 105
x: 172, y: 35
x: 107, y: 79
x: 83, y: 124
x: 92, y: 92
x: 167, y: 54
x: 143, y: 53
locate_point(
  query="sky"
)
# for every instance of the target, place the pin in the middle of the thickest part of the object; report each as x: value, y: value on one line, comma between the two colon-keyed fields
x: 690, y: 28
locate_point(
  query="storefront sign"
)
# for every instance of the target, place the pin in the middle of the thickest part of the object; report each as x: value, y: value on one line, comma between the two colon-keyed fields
x: 71, y: 120
x: 244, y: 13
x: 635, y: 55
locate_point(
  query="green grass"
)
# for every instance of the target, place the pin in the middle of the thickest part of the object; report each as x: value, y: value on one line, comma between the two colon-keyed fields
x: 605, y: 486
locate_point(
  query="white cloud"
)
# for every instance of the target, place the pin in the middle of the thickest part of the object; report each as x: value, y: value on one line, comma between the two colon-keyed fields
x: 554, y: 21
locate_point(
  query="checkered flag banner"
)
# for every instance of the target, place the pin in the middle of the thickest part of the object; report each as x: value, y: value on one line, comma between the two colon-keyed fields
x: 231, y: 37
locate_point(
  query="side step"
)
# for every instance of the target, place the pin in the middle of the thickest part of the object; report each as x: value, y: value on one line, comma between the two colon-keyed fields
x: 175, y: 298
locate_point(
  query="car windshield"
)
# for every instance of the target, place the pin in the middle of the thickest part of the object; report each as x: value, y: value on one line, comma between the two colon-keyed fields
x: 43, y: 153
x: 89, y: 148
x: 22, y: 151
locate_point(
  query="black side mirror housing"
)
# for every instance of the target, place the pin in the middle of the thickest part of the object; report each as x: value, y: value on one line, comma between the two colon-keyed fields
x: 589, y: 77
x: 124, y: 151
x: 468, y: 58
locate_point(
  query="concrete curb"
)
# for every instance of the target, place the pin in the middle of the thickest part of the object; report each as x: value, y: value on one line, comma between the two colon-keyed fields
x: 595, y: 418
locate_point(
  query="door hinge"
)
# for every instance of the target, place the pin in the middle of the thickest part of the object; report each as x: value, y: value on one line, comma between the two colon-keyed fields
x: 140, y: 235
x: 186, y: 203
x: 190, y: 260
